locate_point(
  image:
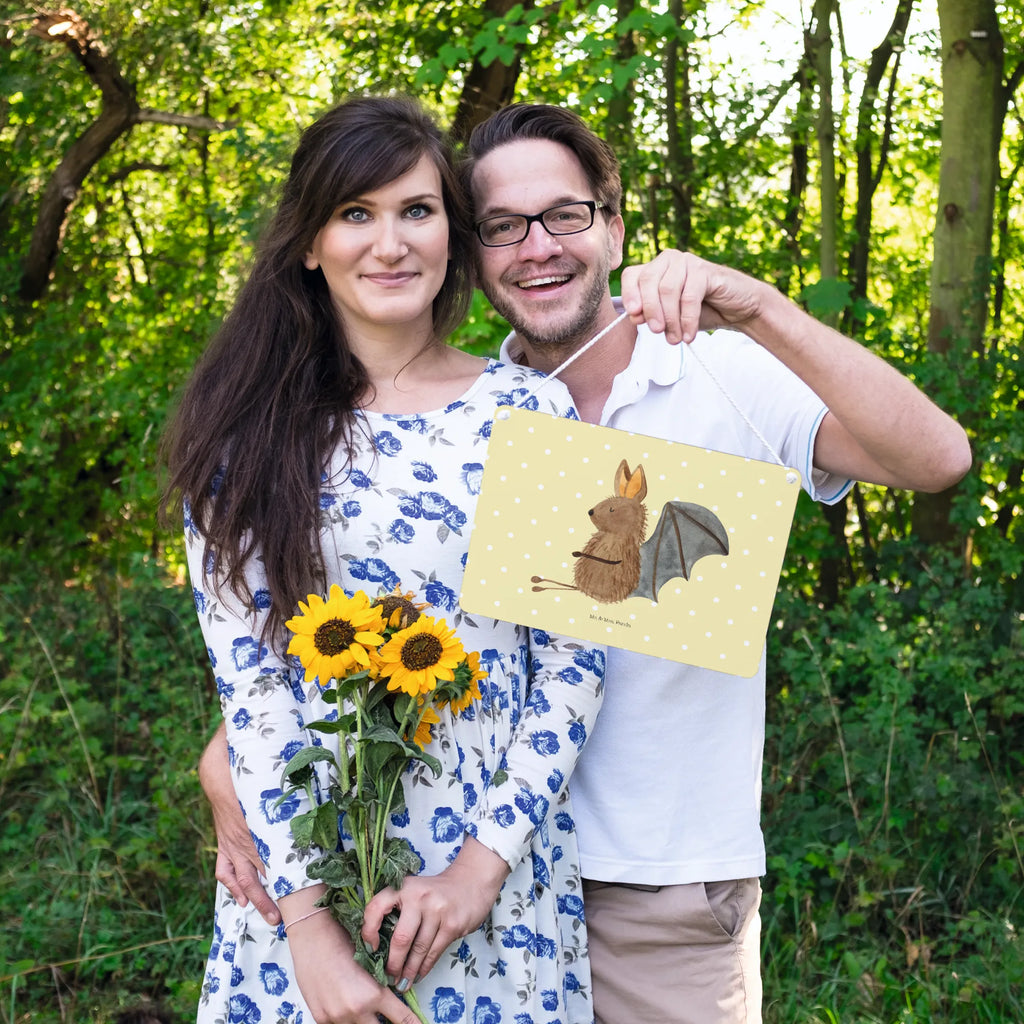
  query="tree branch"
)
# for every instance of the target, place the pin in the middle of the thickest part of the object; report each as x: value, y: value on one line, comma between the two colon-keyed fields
x: 206, y: 124
x: 119, y: 112
x: 116, y: 117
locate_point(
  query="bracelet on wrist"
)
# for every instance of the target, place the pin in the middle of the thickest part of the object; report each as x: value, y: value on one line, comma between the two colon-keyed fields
x: 305, y: 917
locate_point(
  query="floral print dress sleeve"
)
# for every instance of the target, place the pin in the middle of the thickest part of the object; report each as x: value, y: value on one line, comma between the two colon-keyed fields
x: 262, y: 702
x: 564, y: 697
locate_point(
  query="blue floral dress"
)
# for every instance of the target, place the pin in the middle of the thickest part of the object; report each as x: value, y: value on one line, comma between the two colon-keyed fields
x: 401, y: 515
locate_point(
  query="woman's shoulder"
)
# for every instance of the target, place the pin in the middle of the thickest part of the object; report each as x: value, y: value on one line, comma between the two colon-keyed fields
x: 523, y: 386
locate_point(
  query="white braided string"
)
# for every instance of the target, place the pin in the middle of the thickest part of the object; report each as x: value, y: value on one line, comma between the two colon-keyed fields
x: 572, y: 359
x: 691, y: 351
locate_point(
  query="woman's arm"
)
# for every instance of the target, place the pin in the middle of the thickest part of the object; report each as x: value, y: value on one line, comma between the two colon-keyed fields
x: 336, y: 989
x: 566, y: 685
x: 263, y: 715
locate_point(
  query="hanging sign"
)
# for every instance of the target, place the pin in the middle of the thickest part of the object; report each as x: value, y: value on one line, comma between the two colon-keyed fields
x: 627, y: 540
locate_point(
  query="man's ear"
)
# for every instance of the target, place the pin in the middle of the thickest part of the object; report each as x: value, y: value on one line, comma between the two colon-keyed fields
x: 616, y: 236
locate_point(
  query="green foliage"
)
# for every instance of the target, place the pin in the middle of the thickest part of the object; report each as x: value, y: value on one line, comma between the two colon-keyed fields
x: 105, y: 700
x: 892, y: 799
x: 893, y: 766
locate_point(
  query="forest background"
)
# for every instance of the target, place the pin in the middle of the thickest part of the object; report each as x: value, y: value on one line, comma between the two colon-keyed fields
x: 865, y: 157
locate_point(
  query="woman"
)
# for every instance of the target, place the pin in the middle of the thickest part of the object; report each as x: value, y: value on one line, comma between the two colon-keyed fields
x: 329, y: 435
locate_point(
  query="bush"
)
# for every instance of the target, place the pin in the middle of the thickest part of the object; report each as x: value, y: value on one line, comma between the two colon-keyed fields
x: 104, y: 840
x: 892, y: 799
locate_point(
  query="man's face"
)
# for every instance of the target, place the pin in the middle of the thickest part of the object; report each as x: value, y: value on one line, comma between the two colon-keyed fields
x: 552, y: 289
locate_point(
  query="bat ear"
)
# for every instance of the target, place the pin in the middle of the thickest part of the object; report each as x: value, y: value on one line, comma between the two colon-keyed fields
x: 636, y: 487
x: 622, y: 478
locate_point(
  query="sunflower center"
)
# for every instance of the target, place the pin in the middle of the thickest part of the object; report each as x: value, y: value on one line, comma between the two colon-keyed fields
x: 421, y: 651
x: 391, y: 603
x: 334, y: 636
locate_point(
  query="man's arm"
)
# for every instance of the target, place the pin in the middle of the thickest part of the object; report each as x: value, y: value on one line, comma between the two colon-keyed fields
x: 238, y: 864
x: 881, y: 428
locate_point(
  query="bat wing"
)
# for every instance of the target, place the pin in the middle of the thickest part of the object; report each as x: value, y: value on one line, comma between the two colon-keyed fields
x: 684, y: 533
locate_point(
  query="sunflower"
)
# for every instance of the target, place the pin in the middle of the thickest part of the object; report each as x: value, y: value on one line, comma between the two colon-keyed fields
x: 423, y: 734
x: 399, y: 608
x: 417, y: 657
x: 472, y: 691
x: 332, y: 636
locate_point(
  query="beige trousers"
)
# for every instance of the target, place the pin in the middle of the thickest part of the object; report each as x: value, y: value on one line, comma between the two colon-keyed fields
x: 675, y: 954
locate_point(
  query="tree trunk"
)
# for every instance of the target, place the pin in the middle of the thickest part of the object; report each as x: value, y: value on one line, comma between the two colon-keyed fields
x: 487, y: 89
x: 869, y: 171
x: 679, y: 134
x: 819, y: 53
x: 119, y: 112
x: 619, y: 132
x: 972, y: 111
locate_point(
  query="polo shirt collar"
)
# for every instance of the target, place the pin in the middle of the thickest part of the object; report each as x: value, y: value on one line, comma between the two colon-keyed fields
x: 654, y: 361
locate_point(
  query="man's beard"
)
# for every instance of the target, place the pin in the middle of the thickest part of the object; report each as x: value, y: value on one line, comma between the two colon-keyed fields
x: 570, y: 333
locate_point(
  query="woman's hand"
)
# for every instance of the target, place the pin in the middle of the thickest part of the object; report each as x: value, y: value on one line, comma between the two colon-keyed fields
x: 435, y: 910
x: 336, y: 989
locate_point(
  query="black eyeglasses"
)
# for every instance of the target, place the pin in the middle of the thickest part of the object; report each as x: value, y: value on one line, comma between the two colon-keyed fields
x: 565, y: 219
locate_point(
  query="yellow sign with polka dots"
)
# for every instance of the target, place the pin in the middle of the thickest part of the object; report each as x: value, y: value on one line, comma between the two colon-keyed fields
x: 630, y: 541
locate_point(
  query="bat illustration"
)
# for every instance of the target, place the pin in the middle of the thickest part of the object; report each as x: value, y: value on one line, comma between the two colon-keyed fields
x: 617, y: 563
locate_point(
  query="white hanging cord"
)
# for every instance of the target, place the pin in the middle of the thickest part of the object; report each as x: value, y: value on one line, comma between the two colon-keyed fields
x: 596, y: 338
x: 690, y: 351
x: 743, y: 416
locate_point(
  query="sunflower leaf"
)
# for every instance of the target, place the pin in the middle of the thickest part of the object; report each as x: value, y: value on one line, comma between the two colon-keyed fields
x: 325, y: 826
x: 398, y: 861
x: 429, y: 760
x: 338, y: 869
x: 330, y: 725
x: 298, y: 771
x: 372, y: 963
x: 351, y: 683
x: 380, y: 755
x: 302, y: 828
x: 381, y: 733
x: 375, y: 696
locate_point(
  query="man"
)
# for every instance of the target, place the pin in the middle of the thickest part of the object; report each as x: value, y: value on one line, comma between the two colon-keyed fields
x: 667, y: 791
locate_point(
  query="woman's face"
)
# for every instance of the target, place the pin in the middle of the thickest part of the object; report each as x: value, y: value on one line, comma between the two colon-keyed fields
x: 384, y: 254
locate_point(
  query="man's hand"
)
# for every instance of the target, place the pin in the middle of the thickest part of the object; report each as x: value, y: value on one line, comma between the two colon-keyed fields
x: 873, y: 409
x: 238, y: 864
x: 435, y: 910
x: 679, y: 293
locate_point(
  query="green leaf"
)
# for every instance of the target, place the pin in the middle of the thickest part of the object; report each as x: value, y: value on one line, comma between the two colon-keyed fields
x: 338, y: 869
x: 827, y: 298
x: 302, y: 828
x: 371, y: 962
x: 398, y: 861
x: 298, y: 771
x: 325, y: 826
x: 453, y: 55
x: 386, y: 757
x: 429, y: 760
x: 330, y: 726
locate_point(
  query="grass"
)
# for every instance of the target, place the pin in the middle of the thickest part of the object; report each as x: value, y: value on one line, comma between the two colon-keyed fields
x: 892, y: 807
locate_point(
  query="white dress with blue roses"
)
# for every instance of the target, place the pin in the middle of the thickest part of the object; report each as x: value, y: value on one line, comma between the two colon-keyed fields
x: 402, y: 516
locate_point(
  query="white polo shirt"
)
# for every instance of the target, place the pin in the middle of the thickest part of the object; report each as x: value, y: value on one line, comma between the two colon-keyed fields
x: 668, y: 787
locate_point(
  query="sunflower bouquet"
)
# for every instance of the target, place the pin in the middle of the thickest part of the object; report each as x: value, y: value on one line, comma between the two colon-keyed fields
x: 390, y: 669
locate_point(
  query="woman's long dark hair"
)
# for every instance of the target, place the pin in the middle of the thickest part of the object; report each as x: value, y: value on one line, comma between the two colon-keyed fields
x: 274, y: 394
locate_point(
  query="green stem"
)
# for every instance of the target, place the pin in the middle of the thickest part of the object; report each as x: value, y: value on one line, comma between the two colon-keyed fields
x: 405, y: 728
x: 360, y: 834
x: 414, y: 1004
